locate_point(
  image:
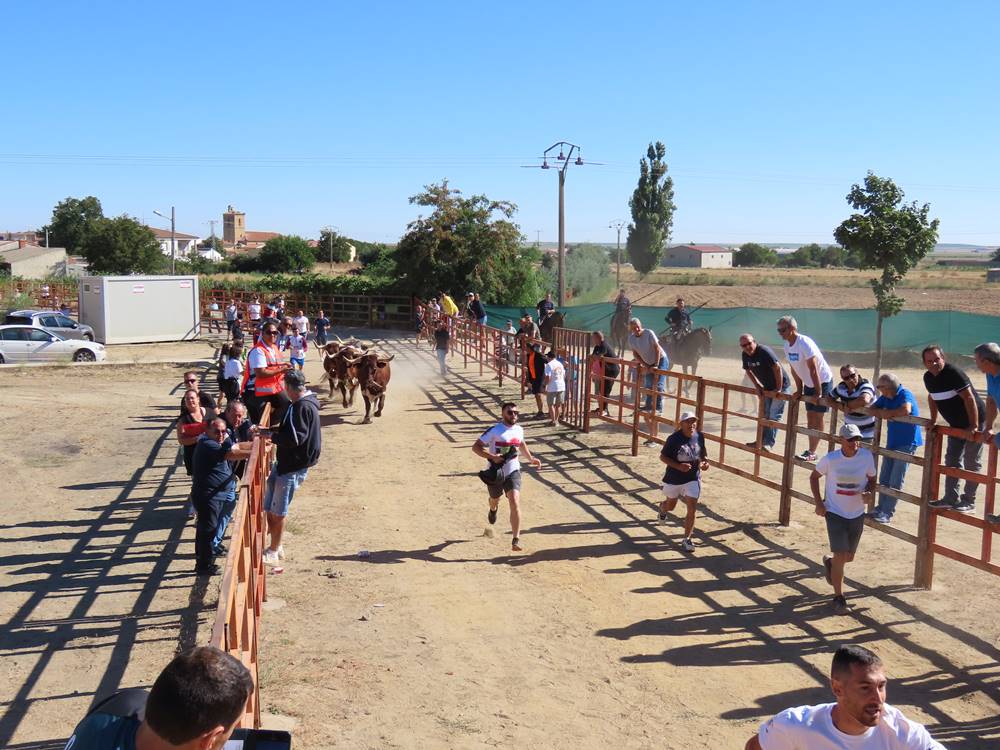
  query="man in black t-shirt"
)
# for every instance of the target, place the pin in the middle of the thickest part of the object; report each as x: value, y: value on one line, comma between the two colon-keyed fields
x: 546, y: 307
x: 607, y: 373
x: 441, y: 343
x: 191, y: 384
x: 685, y: 456
x: 768, y: 376
x: 951, y: 394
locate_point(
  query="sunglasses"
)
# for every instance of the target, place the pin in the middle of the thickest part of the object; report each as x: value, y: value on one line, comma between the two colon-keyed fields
x: 190, y: 380
x: 744, y: 346
x: 782, y: 330
x: 512, y: 413
x: 270, y: 333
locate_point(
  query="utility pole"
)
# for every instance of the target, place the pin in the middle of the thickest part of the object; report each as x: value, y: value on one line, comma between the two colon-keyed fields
x: 618, y: 224
x: 566, y: 158
x: 173, y: 239
x: 329, y: 229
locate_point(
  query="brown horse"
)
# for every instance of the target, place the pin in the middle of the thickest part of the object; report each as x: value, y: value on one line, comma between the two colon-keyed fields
x: 619, y: 330
x: 687, y: 350
x: 548, y: 326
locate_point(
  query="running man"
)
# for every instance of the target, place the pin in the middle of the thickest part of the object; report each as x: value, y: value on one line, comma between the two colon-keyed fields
x: 859, y: 719
x: 685, y: 456
x: 501, y: 445
x: 850, y: 479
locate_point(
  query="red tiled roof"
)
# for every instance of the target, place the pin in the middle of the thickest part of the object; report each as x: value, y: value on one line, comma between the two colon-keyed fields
x: 164, y: 234
x: 261, y: 236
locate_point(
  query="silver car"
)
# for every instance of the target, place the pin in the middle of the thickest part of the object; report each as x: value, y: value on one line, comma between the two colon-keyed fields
x: 31, y: 344
x: 52, y: 320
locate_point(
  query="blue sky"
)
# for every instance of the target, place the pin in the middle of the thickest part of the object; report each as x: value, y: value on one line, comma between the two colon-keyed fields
x: 310, y: 114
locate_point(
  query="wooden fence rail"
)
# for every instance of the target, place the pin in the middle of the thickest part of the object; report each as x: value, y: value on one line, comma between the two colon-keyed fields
x: 713, y: 402
x: 244, y: 588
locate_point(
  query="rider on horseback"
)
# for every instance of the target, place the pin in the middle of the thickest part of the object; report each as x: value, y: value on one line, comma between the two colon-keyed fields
x: 622, y: 303
x: 679, y: 320
x: 545, y: 308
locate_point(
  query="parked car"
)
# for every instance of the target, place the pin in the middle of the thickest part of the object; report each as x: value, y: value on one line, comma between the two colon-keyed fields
x: 51, y: 320
x: 33, y: 344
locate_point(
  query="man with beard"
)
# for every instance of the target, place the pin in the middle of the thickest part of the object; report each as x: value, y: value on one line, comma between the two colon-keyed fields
x: 860, y: 719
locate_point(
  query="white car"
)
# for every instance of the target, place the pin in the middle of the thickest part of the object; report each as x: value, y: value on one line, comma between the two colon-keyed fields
x: 31, y: 344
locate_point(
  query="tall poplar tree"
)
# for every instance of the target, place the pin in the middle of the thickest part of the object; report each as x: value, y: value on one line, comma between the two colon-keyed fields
x: 652, y: 206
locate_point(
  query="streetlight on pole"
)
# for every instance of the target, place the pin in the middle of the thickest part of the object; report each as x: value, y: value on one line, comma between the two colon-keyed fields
x: 566, y: 157
x: 173, y: 239
x: 618, y: 224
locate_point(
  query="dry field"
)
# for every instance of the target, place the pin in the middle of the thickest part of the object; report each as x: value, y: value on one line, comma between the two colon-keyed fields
x: 601, y: 633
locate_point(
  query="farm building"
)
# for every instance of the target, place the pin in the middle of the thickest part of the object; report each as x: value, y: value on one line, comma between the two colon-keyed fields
x: 698, y: 256
x: 31, y: 261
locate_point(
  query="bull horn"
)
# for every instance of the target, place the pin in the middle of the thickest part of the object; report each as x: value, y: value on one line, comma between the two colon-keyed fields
x: 353, y: 361
x: 387, y: 359
x: 338, y: 337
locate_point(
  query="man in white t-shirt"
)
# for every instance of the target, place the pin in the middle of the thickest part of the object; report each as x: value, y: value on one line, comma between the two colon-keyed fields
x: 812, y: 375
x: 859, y: 720
x: 555, y: 386
x: 301, y: 322
x: 501, y: 445
x: 850, y: 481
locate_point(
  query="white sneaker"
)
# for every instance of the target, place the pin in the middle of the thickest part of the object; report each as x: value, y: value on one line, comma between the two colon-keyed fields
x: 281, y: 552
x: 270, y: 557
x: 687, y: 545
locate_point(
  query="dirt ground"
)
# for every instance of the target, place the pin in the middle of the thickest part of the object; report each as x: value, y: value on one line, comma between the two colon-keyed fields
x: 603, y: 632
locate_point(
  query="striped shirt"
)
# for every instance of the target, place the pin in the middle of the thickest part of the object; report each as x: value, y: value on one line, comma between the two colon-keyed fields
x: 844, y: 393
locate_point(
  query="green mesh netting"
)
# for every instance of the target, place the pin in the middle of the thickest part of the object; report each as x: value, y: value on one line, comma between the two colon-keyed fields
x: 833, y: 330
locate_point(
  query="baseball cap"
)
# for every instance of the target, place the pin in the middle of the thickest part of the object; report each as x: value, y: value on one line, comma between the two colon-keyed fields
x: 686, y: 415
x: 850, y: 431
x: 470, y: 294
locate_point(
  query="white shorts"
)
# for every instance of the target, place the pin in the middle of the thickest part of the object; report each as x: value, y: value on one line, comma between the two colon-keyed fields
x: 688, y: 489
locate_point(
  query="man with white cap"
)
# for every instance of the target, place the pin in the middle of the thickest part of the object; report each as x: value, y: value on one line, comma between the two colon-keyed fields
x: 685, y: 456
x: 850, y: 480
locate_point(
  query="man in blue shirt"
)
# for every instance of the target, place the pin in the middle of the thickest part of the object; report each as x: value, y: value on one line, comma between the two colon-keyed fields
x: 894, y: 401
x: 196, y: 702
x: 988, y: 362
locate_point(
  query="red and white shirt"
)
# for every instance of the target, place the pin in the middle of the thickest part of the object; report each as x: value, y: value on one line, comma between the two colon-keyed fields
x: 499, y: 438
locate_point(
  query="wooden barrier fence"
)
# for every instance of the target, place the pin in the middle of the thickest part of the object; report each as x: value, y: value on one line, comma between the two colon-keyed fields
x: 368, y: 310
x: 244, y: 587
x: 713, y: 402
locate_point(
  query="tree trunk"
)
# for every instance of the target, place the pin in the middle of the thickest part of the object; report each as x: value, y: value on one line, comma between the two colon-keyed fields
x: 878, y: 347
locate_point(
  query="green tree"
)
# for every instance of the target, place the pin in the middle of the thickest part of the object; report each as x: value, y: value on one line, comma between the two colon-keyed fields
x: 465, y: 243
x: 341, y: 247
x: 72, y: 221
x: 652, y: 206
x: 806, y: 256
x: 121, y: 246
x: 286, y: 253
x: 752, y: 254
x: 888, y: 235
x: 832, y: 255
x: 586, y: 268
x: 996, y: 256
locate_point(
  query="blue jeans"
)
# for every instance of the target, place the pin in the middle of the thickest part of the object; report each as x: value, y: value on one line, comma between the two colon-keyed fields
x: 661, y: 385
x: 280, y: 489
x: 482, y: 320
x: 225, y: 516
x: 774, y: 409
x: 441, y: 354
x: 891, y: 474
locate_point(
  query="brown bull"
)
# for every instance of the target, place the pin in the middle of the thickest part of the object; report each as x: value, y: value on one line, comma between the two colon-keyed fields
x: 341, y: 374
x: 373, y: 377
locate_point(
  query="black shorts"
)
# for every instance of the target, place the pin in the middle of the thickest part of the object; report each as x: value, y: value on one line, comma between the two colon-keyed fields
x: 844, y: 533
x: 512, y: 482
x: 824, y: 390
x: 536, y: 386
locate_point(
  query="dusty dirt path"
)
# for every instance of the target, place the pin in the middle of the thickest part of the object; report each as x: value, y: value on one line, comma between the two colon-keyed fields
x: 603, y: 633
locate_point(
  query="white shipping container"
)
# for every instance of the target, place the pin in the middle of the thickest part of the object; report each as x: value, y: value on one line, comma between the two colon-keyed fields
x: 140, y: 309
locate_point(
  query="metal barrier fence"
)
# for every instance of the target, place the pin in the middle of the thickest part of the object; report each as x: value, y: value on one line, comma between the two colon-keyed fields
x: 713, y: 402
x: 244, y: 587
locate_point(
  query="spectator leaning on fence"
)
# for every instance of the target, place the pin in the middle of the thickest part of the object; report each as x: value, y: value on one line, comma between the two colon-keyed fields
x: 855, y: 394
x: 647, y: 350
x: 850, y: 477
x: 604, y: 377
x: 894, y: 401
x: 988, y: 362
x: 448, y: 306
x: 767, y: 376
x: 194, y: 704
x: 213, y: 484
x: 812, y: 375
x: 299, y: 444
x: 951, y: 394
x: 860, y: 719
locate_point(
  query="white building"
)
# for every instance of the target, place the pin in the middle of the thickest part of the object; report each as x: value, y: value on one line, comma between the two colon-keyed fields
x: 186, y: 243
x: 31, y: 261
x: 697, y: 256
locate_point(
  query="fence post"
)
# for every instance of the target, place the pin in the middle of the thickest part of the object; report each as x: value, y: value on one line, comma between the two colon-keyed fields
x: 785, y: 503
x: 501, y: 362
x: 635, y: 409
x: 589, y: 385
x: 522, y: 347
x: 923, y: 566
